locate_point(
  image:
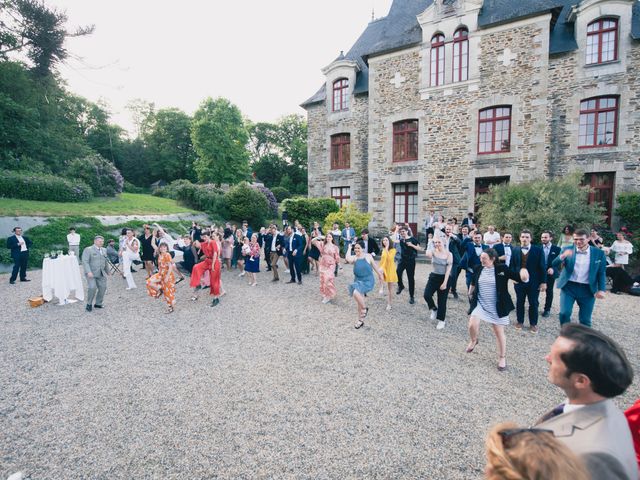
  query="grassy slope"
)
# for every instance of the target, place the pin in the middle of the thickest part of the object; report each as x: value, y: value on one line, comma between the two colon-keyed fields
x: 124, y: 204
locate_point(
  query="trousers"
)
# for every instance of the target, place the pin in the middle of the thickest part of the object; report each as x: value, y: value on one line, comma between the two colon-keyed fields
x: 96, y: 285
x: 527, y: 292
x: 295, y: 266
x: 433, y: 286
x: 410, y: 266
x: 274, y: 264
x: 579, y: 293
x: 20, y: 264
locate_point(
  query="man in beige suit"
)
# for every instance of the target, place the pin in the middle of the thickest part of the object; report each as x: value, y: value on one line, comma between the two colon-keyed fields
x: 592, y: 369
x: 94, y: 261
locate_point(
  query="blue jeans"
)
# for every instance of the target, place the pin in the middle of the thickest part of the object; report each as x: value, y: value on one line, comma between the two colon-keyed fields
x: 579, y: 293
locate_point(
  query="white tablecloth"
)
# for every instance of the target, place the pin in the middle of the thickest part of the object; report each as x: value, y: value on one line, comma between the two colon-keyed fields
x: 60, y: 277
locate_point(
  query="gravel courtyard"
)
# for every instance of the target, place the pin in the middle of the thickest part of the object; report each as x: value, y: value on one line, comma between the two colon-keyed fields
x: 269, y: 384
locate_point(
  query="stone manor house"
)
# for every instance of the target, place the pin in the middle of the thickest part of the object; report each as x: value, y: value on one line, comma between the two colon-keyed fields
x: 441, y: 99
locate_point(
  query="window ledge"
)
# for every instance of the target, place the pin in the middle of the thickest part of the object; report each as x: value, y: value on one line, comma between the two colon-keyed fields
x: 448, y: 88
x: 603, y: 64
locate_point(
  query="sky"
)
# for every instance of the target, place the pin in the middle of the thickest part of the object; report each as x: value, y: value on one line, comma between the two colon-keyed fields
x: 265, y: 56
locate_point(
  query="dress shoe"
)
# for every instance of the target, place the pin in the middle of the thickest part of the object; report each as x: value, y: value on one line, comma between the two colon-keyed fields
x: 12, y: 282
x: 291, y: 281
x: 275, y: 280
x: 519, y: 326
x: 25, y: 280
x: 399, y: 290
x: 533, y: 329
x: 546, y: 314
x: 215, y: 302
x: 88, y: 308
x: 411, y: 301
x: 299, y: 282
x: 98, y: 306
x: 455, y: 295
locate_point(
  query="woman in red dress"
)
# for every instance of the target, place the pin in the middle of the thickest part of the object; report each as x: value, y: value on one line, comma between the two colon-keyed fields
x: 199, y: 270
x: 216, y: 266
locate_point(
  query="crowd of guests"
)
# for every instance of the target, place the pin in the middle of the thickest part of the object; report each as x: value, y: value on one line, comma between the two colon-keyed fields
x: 586, y: 436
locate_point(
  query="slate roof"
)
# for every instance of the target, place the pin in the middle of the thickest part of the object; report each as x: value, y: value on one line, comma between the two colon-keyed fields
x: 400, y: 29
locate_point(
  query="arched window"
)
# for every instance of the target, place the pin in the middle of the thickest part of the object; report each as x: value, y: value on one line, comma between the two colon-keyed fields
x: 340, y: 151
x: 598, y: 122
x: 405, y: 140
x: 602, y: 41
x: 494, y: 130
x: 340, y: 95
x: 461, y: 55
x: 437, y: 60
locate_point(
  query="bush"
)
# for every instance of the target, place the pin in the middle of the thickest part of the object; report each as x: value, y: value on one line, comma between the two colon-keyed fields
x: 131, y: 188
x: 271, y: 199
x: 246, y: 203
x: 101, y: 175
x: 309, y: 210
x: 172, y: 190
x: 30, y: 186
x: 629, y: 210
x: 539, y: 205
x: 281, y: 194
x: 348, y: 213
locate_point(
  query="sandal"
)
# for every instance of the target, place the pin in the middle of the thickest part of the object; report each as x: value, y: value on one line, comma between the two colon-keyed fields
x: 194, y: 298
x: 179, y: 280
x: 359, y: 324
x: 470, y: 348
x: 169, y: 310
x: 502, y: 369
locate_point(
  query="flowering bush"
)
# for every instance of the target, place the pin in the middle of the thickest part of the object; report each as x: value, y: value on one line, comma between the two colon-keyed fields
x: 100, y: 174
x: 40, y: 186
x: 271, y: 198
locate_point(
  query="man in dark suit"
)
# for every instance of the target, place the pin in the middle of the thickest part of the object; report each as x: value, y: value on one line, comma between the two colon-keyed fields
x: 470, y: 221
x: 452, y: 244
x: 582, y: 279
x: 531, y: 258
x: 274, y: 241
x: 471, y: 258
x: 19, y: 246
x: 294, y: 253
x: 368, y: 244
x: 591, y: 369
x: 505, y: 249
x: 551, y: 252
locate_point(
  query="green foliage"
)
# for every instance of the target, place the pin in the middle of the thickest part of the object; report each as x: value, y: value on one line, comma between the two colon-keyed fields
x: 629, y: 209
x: 219, y: 137
x: 131, y: 188
x: 172, y: 190
x: 309, y: 210
x: 101, y: 175
x: 246, y: 203
x: 281, y: 194
x: 30, y: 186
x: 348, y: 213
x: 539, y: 205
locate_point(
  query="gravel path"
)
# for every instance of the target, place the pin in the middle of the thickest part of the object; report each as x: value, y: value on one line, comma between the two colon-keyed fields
x: 270, y: 384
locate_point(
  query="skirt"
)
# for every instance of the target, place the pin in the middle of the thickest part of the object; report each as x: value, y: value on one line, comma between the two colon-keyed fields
x: 488, y: 317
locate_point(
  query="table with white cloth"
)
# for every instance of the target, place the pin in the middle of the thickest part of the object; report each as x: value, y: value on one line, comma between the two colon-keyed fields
x: 60, y: 277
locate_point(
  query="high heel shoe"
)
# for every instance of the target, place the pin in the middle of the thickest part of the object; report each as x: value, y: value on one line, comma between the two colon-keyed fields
x: 471, y: 348
x: 502, y: 369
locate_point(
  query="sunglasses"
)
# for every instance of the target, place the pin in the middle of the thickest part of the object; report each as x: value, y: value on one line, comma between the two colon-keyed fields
x: 508, y: 435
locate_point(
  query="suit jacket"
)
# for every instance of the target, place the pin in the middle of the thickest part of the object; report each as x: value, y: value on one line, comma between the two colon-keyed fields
x: 599, y: 434
x: 597, y: 269
x: 465, y: 221
x: 535, y: 264
x: 554, y: 252
x: 504, y: 303
x: 470, y: 260
x: 268, y: 240
x: 372, y: 246
x: 351, y: 232
x: 499, y: 247
x: 297, y: 245
x: 12, y: 244
x: 454, y: 248
x: 95, y: 261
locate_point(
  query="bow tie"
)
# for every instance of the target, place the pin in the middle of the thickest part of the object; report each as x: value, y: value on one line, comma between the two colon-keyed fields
x: 581, y: 252
x: 507, y: 245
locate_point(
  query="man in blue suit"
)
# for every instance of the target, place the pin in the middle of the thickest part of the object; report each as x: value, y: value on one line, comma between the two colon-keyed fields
x: 293, y: 246
x: 551, y: 252
x: 531, y: 258
x: 471, y: 258
x: 19, y: 246
x: 582, y: 278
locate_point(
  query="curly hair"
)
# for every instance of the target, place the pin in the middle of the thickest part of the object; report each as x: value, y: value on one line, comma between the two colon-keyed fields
x: 530, y: 456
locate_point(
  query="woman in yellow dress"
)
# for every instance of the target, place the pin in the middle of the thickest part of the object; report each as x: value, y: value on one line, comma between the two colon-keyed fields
x: 163, y: 282
x: 388, y: 266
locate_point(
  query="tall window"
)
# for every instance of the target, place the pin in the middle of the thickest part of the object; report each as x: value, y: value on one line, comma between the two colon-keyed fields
x: 494, y: 130
x: 601, y: 191
x: 437, y: 60
x: 598, y: 122
x: 405, y: 204
x: 461, y: 55
x: 340, y: 95
x: 602, y: 41
x: 405, y: 140
x: 342, y: 195
x: 340, y: 151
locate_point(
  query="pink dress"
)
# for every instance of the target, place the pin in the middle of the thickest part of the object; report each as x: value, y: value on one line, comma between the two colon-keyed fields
x: 330, y: 256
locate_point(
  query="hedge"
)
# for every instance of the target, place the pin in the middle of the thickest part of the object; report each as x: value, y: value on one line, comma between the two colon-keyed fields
x: 39, y: 186
x: 309, y: 210
x: 246, y: 203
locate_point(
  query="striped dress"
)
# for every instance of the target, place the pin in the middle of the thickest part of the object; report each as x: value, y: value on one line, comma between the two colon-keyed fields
x: 487, y: 298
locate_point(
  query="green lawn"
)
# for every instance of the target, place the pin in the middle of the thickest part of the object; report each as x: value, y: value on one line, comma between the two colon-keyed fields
x: 123, y: 204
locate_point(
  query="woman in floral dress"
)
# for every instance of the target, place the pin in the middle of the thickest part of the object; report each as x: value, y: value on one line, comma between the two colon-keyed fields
x: 163, y: 282
x: 329, y: 258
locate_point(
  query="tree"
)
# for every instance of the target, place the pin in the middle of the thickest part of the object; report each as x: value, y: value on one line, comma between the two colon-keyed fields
x: 219, y: 137
x: 169, y: 146
x: 142, y: 113
x: 292, y: 141
x: 31, y: 29
x: 539, y: 205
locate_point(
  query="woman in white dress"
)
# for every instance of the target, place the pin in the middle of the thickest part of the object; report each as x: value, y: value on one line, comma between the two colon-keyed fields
x: 490, y: 301
x: 130, y: 252
x: 622, y: 249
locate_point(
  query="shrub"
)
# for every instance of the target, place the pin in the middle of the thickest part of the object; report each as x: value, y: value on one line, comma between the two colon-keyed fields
x: 129, y: 187
x: 246, y: 203
x: 271, y: 199
x: 172, y: 190
x: 629, y: 210
x: 309, y: 210
x: 31, y: 186
x: 100, y: 174
x: 539, y: 205
x: 281, y: 194
x: 348, y: 213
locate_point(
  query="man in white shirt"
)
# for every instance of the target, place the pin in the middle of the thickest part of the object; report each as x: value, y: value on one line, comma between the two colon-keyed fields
x: 504, y: 249
x: 491, y: 237
x: 73, y: 239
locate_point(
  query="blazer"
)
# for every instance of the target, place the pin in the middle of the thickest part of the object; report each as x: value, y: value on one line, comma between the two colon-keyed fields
x: 12, y: 243
x: 352, y: 233
x: 297, y: 245
x: 454, y: 248
x: 372, y: 246
x: 535, y: 264
x: 553, y: 254
x: 470, y: 260
x: 503, y: 274
x: 599, y: 434
x: 499, y: 247
x: 268, y: 240
x: 94, y: 261
x: 597, y: 269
